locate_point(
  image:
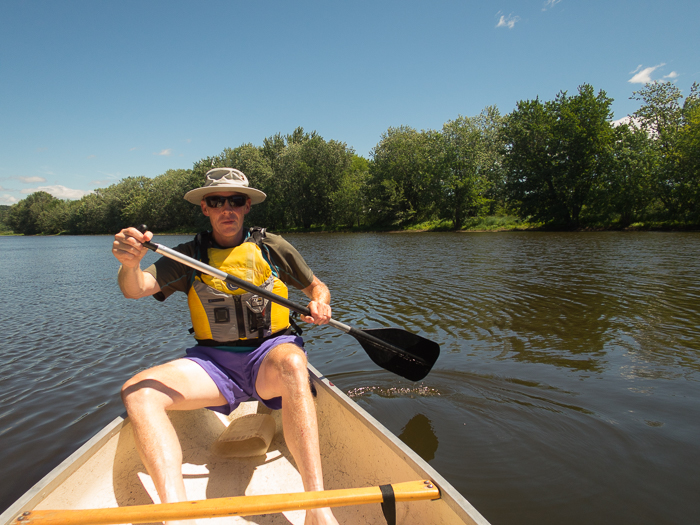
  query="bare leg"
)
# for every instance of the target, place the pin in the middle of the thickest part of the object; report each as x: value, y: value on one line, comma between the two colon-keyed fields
x: 284, y: 373
x: 178, y: 385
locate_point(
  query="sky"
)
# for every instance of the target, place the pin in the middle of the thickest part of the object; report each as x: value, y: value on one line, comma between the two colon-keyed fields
x: 93, y: 91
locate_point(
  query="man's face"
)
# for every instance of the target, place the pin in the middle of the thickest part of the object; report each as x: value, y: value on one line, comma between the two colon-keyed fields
x: 226, y: 221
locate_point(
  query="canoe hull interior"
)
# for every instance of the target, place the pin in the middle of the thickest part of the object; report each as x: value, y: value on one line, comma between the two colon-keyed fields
x: 356, y: 451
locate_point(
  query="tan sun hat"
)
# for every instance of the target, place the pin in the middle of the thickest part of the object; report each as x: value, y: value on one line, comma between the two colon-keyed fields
x: 225, y: 179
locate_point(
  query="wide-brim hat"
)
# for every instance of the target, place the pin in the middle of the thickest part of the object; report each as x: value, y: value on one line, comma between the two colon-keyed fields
x: 225, y: 179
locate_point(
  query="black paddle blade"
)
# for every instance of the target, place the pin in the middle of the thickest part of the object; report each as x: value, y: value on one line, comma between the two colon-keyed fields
x: 406, y: 354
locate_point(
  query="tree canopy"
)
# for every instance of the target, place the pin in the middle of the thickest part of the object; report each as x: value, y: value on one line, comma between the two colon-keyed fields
x: 559, y: 163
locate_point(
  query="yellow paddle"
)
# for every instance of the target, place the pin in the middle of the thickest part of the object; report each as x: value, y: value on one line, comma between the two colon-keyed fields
x: 235, y: 506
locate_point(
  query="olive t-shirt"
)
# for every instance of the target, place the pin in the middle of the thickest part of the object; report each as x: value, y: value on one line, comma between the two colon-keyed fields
x: 173, y: 276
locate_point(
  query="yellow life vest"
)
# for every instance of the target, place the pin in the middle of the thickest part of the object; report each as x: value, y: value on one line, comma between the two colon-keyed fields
x: 222, y: 313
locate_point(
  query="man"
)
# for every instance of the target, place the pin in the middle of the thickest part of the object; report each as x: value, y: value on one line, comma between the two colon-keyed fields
x: 244, y: 349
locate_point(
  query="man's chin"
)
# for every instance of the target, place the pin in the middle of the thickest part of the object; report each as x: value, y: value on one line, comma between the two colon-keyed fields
x: 227, y: 229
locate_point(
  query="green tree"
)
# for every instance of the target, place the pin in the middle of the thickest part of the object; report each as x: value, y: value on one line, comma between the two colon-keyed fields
x: 300, y: 173
x: 4, y: 214
x: 312, y: 170
x: 26, y: 216
x: 402, y: 176
x: 666, y: 121
x: 162, y: 205
x: 349, y: 201
x: 556, y: 154
x: 53, y: 218
x: 281, y: 207
x: 470, y: 164
x: 689, y: 153
x: 625, y: 192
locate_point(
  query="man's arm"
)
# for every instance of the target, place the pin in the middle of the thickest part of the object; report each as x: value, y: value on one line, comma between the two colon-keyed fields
x: 127, y: 248
x: 320, y: 304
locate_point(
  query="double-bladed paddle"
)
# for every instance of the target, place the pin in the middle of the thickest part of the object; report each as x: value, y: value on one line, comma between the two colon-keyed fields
x: 396, y: 350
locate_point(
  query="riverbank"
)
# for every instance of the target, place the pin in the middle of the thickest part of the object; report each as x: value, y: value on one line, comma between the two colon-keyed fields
x: 475, y: 225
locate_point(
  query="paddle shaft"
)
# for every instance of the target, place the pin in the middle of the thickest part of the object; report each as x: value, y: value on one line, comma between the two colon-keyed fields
x: 235, y: 506
x: 249, y: 287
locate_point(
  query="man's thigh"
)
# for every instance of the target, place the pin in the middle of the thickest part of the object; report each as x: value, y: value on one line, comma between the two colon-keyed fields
x: 178, y: 385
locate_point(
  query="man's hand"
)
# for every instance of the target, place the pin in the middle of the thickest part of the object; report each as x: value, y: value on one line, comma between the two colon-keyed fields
x: 320, y: 305
x: 127, y: 247
x: 320, y: 313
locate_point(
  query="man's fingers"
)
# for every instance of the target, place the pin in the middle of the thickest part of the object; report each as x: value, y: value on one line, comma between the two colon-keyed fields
x: 127, y: 247
x: 136, y: 235
x: 320, y: 313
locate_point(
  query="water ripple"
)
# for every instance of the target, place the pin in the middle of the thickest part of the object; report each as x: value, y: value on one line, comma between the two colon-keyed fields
x: 568, y: 373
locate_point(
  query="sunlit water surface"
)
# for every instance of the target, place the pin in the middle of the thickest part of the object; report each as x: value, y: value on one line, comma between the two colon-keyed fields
x: 566, y: 392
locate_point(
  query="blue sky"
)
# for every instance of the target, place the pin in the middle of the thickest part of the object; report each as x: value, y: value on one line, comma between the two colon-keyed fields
x: 95, y: 91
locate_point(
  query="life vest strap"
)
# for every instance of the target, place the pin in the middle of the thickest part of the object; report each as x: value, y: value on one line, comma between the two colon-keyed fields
x: 254, y: 343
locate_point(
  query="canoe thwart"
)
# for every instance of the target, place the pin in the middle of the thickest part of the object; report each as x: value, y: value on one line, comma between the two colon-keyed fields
x: 233, y: 506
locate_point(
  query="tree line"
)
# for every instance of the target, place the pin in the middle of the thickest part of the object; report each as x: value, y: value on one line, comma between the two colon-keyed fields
x: 559, y: 163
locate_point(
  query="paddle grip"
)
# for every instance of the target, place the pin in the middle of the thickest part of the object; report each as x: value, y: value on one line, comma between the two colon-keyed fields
x: 148, y: 244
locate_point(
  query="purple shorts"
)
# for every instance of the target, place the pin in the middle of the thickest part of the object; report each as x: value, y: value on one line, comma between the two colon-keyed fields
x: 235, y: 373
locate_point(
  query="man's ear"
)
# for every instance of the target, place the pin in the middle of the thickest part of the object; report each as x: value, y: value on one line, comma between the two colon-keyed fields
x: 247, y: 206
x: 205, y: 210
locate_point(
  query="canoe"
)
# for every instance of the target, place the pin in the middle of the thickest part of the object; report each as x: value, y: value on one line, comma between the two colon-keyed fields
x: 357, y: 452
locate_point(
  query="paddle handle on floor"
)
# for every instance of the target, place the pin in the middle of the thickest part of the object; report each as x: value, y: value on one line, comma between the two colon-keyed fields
x: 235, y: 506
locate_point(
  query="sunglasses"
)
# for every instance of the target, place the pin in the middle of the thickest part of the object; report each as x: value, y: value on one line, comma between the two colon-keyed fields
x: 217, y: 201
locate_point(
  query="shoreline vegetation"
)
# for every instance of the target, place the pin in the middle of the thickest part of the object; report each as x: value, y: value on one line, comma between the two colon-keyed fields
x: 558, y: 165
x: 491, y: 224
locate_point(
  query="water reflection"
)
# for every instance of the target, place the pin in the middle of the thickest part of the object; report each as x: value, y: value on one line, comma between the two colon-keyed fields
x: 420, y: 436
x: 557, y: 299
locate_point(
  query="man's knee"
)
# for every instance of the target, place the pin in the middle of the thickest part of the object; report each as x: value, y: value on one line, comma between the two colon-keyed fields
x: 145, y: 390
x: 287, y: 367
x: 289, y: 359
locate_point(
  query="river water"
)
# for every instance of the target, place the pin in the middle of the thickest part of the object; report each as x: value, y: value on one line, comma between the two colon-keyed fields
x: 567, y: 390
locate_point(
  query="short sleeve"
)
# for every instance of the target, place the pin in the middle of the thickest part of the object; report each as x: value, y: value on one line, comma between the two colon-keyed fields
x: 172, y: 276
x: 292, y: 267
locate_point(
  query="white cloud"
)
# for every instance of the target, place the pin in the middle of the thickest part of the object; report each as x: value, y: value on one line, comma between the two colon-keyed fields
x: 7, y: 199
x: 31, y: 180
x: 671, y: 75
x: 165, y: 152
x: 507, y: 21
x: 631, y: 121
x: 549, y: 4
x: 58, y: 191
x: 643, y: 76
